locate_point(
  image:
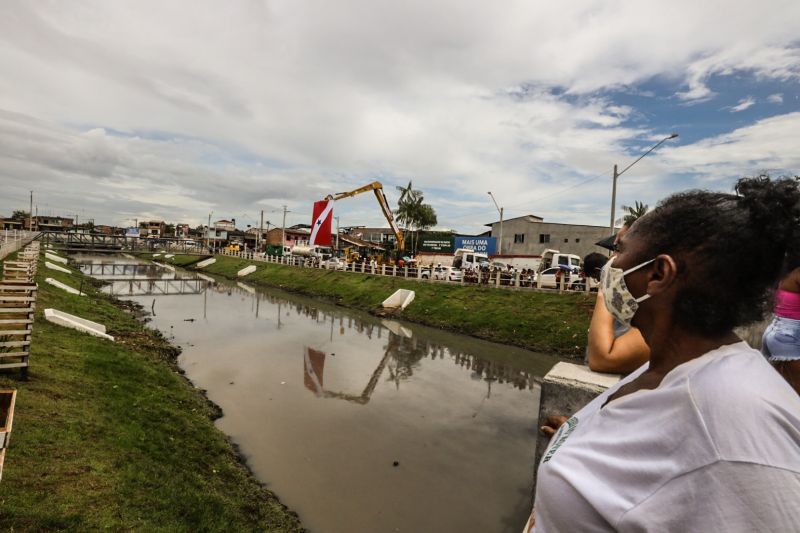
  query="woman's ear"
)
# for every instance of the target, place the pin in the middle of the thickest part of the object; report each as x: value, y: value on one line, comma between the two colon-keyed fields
x: 663, y: 274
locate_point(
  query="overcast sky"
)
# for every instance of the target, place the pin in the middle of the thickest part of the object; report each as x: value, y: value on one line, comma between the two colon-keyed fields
x: 173, y: 110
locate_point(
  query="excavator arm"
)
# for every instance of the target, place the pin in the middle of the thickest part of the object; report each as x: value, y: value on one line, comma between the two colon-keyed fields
x: 377, y: 188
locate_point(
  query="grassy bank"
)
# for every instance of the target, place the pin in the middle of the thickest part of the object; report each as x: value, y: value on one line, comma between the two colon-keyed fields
x: 540, y: 321
x: 110, y: 436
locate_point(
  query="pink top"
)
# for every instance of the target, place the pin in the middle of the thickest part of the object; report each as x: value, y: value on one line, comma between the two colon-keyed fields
x: 787, y: 304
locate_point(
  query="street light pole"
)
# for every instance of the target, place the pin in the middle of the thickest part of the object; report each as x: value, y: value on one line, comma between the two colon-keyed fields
x: 618, y: 174
x: 500, y: 240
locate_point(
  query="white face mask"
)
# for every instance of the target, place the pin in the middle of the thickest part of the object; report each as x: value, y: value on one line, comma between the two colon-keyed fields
x: 618, y: 299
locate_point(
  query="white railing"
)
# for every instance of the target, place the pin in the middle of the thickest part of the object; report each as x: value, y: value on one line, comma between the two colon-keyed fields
x: 495, y: 279
x: 13, y: 240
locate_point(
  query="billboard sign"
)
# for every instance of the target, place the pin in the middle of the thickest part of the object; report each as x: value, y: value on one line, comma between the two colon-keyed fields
x: 132, y: 232
x: 437, y: 245
x: 486, y: 245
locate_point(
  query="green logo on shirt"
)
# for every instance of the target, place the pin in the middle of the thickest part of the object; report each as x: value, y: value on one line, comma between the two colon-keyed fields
x: 561, y: 437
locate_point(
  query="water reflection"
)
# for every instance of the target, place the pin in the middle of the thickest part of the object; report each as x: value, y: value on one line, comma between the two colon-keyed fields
x: 358, y: 423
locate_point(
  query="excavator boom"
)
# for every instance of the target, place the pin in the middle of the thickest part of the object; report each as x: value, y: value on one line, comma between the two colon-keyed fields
x: 377, y: 188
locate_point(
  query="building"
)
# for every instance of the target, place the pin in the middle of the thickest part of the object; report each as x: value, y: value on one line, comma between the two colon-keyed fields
x: 182, y: 231
x: 10, y: 224
x: 382, y: 236
x: 50, y: 223
x: 152, y: 228
x: 529, y: 236
x: 226, y: 225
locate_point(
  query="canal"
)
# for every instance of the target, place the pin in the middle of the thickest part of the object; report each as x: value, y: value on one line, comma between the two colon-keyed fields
x: 359, y: 424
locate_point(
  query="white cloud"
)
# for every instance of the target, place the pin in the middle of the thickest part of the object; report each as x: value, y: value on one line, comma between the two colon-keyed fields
x: 744, y: 103
x: 776, y: 98
x: 242, y: 105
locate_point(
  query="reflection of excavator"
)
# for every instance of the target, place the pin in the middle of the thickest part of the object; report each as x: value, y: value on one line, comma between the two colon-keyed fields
x: 377, y: 188
x: 314, y: 368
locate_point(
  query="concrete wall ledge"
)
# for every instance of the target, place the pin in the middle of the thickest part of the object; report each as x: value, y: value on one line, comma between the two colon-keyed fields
x: 64, y: 286
x: 53, y: 266
x: 246, y: 270
x: 206, y: 262
x: 56, y: 258
x: 74, y: 322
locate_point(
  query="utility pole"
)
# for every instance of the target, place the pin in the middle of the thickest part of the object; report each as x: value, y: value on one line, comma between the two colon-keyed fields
x: 260, y: 232
x: 337, y: 236
x: 613, y: 199
x: 208, y: 231
x: 30, y: 214
x: 500, y: 209
x: 283, y: 231
x: 618, y: 174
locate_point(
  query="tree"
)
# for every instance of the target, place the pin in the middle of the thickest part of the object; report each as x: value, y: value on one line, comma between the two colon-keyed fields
x: 412, y: 212
x: 20, y: 215
x: 638, y: 210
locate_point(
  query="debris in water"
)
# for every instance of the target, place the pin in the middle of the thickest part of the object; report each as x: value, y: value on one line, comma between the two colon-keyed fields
x: 188, y: 319
x: 396, y: 463
x: 231, y: 383
x: 283, y: 383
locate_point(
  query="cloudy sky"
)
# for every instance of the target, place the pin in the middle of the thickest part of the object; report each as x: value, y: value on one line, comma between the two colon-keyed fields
x: 174, y: 110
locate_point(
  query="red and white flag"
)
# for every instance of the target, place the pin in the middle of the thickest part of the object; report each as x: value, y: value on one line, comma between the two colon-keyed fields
x: 321, y: 223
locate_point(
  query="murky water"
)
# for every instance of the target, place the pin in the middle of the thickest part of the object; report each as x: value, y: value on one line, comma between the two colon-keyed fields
x: 361, y: 424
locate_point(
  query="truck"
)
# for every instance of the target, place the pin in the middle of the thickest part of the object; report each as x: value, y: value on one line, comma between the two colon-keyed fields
x: 321, y: 253
x: 467, y: 259
x: 554, y: 258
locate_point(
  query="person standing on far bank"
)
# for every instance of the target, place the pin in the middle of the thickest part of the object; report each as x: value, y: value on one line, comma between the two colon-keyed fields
x: 706, y: 435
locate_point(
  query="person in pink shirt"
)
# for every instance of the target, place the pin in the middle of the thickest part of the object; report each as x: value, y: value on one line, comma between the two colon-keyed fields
x: 781, y: 342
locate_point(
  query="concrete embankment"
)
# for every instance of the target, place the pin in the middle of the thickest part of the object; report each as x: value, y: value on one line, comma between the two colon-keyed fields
x: 539, y: 321
x: 110, y: 436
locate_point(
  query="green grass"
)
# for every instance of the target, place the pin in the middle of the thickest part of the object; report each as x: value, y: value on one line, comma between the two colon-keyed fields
x: 540, y: 321
x: 110, y: 436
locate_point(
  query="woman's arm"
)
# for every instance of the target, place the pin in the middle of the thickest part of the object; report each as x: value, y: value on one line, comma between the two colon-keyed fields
x: 622, y: 355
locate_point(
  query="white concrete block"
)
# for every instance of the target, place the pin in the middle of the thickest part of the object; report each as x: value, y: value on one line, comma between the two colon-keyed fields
x: 246, y: 270
x: 206, y: 278
x: 54, y: 257
x: 206, y: 262
x: 64, y: 286
x: 81, y: 324
x: 168, y: 256
x: 52, y: 266
x: 157, y: 255
x: 401, y: 299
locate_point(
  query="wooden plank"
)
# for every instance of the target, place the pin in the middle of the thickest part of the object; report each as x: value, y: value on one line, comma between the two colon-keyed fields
x: 16, y: 321
x: 15, y: 332
x: 13, y: 354
x: 17, y: 309
x: 14, y: 344
x: 7, y: 298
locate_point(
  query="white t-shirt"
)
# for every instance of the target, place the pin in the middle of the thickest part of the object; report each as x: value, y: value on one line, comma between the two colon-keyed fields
x: 716, y: 447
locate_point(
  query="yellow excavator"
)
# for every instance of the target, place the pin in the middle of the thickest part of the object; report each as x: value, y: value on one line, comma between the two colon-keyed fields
x: 377, y: 188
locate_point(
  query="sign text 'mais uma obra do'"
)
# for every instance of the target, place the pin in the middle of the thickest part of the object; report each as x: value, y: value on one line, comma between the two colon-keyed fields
x: 486, y: 245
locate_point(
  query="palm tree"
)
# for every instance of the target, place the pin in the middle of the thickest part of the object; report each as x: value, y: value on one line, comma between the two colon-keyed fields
x: 638, y: 210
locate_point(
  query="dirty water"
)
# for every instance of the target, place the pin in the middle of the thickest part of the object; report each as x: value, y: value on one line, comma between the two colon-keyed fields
x: 361, y: 424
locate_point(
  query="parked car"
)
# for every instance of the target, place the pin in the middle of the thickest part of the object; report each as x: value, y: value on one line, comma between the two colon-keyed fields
x: 335, y: 263
x: 447, y: 273
x: 551, y: 278
x: 579, y: 284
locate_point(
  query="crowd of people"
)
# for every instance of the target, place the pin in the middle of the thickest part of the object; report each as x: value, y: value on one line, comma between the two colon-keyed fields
x: 702, y: 433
